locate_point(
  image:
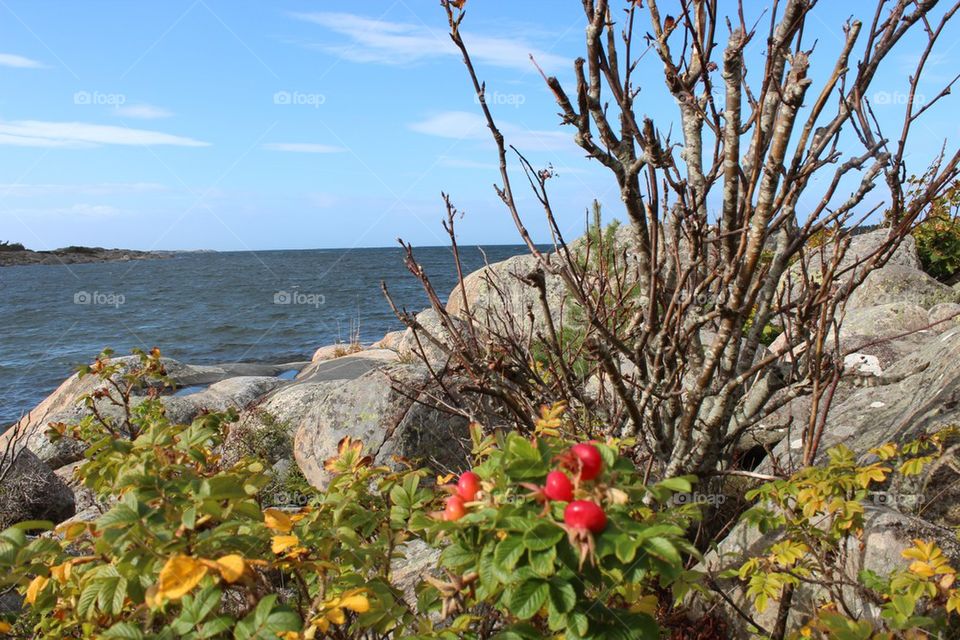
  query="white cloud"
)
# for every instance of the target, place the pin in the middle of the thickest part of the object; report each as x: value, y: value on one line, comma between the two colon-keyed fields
x: 142, y: 111
x: 453, y: 124
x: 16, y: 190
x: 19, y: 62
x: 465, y: 125
x: 303, y: 147
x: 384, y: 42
x: 36, y: 133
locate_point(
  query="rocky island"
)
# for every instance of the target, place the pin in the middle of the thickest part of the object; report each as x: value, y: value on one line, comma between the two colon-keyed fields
x: 14, y: 254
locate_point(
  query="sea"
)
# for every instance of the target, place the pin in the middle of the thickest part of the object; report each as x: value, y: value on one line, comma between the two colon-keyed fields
x: 205, y: 308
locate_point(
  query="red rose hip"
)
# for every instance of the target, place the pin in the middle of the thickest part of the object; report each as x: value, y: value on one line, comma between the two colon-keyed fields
x: 591, y: 464
x: 558, y: 487
x: 454, y: 509
x: 468, y: 486
x: 583, y: 514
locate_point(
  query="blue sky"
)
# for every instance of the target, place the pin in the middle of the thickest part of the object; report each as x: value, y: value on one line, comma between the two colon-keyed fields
x: 233, y: 125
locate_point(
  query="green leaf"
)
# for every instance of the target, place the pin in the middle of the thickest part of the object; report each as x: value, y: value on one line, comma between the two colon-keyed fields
x: 679, y: 484
x: 266, y: 622
x: 543, y: 536
x: 563, y: 597
x: 543, y: 561
x: 457, y: 557
x: 33, y: 525
x: 663, y: 549
x: 508, y: 552
x: 123, y: 631
x: 528, y: 598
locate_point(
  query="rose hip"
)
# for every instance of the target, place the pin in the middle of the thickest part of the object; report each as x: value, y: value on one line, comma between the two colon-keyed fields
x: 468, y: 486
x: 558, y: 487
x: 585, y: 515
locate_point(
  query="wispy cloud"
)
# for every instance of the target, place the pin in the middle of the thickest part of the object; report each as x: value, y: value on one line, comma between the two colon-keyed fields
x: 19, y: 62
x: 464, y: 125
x: 37, y: 133
x: 142, y: 111
x: 16, y: 190
x: 303, y: 147
x: 383, y: 42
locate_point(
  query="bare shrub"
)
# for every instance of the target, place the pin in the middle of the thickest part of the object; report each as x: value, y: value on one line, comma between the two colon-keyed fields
x: 663, y: 334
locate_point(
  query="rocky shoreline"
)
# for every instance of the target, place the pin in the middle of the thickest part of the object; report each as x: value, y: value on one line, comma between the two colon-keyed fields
x: 76, y: 255
x: 902, y: 379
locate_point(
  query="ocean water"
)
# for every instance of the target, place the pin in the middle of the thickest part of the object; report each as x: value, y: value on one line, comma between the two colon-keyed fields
x: 204, y: 308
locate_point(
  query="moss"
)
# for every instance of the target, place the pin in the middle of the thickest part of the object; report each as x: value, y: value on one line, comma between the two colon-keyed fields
x: 272, y: 441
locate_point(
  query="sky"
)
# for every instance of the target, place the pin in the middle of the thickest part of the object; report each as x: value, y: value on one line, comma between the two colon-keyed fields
x: 293, y: 124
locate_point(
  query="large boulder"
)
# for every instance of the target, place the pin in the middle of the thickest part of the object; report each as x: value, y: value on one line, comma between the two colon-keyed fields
x: 865, y: 244
x: 899, y: 283
x: 230, y: 386
x: 861, y: 248
x: 232, y: 393
x: 885, y: 320
x: 500, y: 291
x: 385, y: 408
x: 29, y: 490
x: 416, y: 346
x: 918, y: 394
x: 944, y: 316
x: 390, y: 340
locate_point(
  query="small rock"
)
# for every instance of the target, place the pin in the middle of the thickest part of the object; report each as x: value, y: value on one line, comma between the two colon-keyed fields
x: 31, y: 491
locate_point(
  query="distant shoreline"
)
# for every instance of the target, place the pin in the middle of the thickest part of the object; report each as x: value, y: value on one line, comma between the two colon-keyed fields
x: 12, y: 257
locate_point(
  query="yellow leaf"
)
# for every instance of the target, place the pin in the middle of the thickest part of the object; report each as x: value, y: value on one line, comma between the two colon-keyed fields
x: 886, y: 451
x: 922, y: 569
x: 5, y: 627
x: 646, y: 604
x: 61, y: 572
x: 231, y: 567
x: 873, y: 473
x: 349, y: 457
x: 34, y: 588
x: 953, y: 602
x: 921, y: 550
x: 282, y: 543
x: 788, y: 552
x: 549, y: 422
x: 357, y: 603
x: 72, y: 531
x: 277, y: 520
x: 179, y: 576
x: 947, y: 580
